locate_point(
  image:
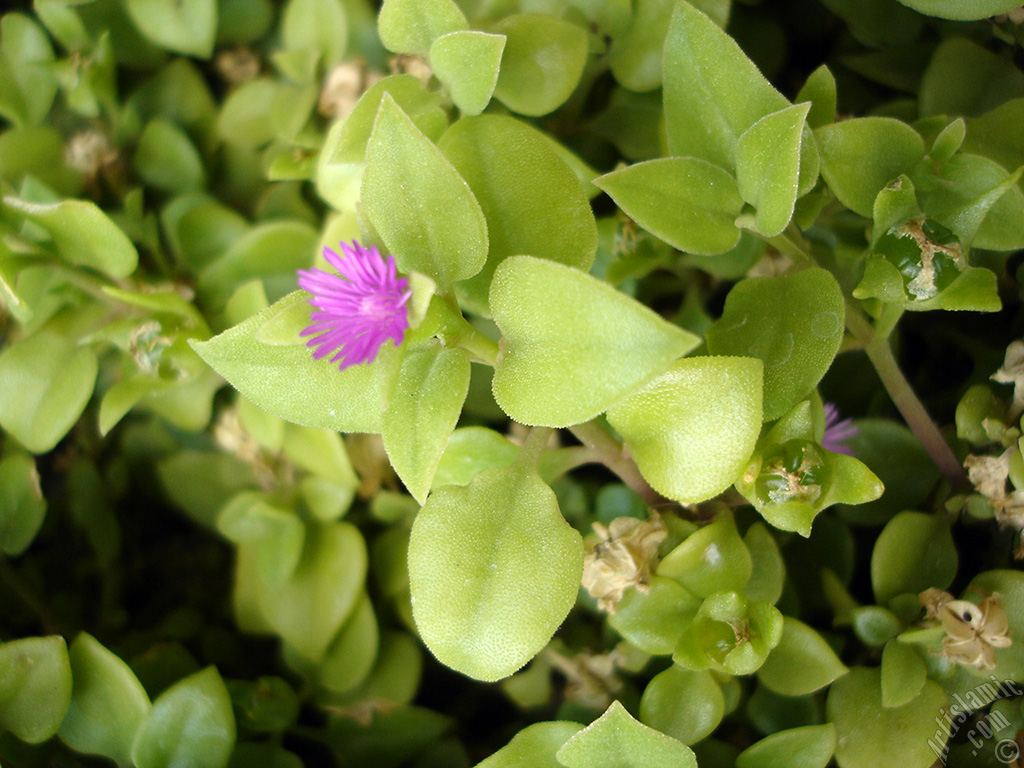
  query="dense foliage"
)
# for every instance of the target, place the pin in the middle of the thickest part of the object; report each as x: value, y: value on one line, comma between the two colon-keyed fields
x: 567, y: 481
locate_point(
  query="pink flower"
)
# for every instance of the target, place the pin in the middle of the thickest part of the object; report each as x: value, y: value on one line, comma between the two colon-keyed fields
x: 358, y: 310
x: 837, y: 431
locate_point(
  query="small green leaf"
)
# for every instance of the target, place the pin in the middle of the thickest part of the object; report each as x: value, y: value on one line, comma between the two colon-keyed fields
x: 83, y: 234
x: 350, y: 657
x: 915, y: 551
x: 421, y: 207
x: 636, y: 56
x: 616, y: 740
x: 341, y: 163
x: 35, y: 686
x: 820, y: 90
x: 903, y: 674
x: 544, y: 213
x: 191, y: 724
x: 469, y: 452
x: 310, y: 607
x: 494, y: 570
x: 22, y: 506
x: 768, y: 167
x: 692, y: 429
x: 959, y: 10
x: 869, y: 742
x: 411, y: 26
x: 316, y: 25
x: 534, y: 746
x: 712, y: 559
x: 542, y: 63
x: 808, y: 747
x: 687, y: 202
x: 27, y: 84
x: 801, y: 663
x: 468, y: 63
x: 683, y: 704
x: 769, y: 569
x: 653, y: 620
x: 421, y: 413
x: 963, y: 78
x: 182, y: 26
x: 288, y: 382
x: 713, y: 92
x: 166, y: 158
x: 46, y: 381
x: 277, y: 534
x: 794, y: 323
x: 572, y: 345
x: 861, y: 156
x: 108, y: 703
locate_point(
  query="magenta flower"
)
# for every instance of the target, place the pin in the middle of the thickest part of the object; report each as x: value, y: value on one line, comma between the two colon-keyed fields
x: 358, y: 310
x: 837, y: 431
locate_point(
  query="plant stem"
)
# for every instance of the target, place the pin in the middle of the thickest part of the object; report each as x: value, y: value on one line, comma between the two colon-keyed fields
x: 479, y: 346
x: 534, y: 445
x: 610, y: 452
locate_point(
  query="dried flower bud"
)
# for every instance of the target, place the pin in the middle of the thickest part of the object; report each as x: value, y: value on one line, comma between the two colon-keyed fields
x: 89, y: 153
x: 624, y: 556
x: 973, y: 632
x: 345, y: 84
x: 412, y: 65
x: 1012, y: 372
x: 591, y: 679
x: 238, y: 66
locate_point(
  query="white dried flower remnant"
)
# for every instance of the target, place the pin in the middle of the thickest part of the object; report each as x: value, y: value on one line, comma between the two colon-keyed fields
x: 343, y: 87
x: 238, y: 65
x: 625, y: 555
x: 1012, y: 372
x: 973, y: 632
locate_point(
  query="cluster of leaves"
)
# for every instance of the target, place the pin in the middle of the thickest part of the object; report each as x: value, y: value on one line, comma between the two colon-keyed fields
x: 614, y: 225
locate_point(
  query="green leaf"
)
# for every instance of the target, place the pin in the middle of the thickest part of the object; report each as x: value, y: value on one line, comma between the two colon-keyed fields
x: 820, y: 91
x: 544, y: 213
x: 166, y: 158
x: 965, y: 79
x: 793, y: 323
x: 692, y: 429
x: 995, y: 134
x: 687, y: 202
x: 959, y: 10
x: 808, y: 747
x: 39, y: 152
x: 533, y: 747
x: 949, y: 140
x: 83, y: 234
x: 712, y: 559
x: 768, y: 167
x: 468, y: 63
x: 411, y: 26
x: 616, y: 740
x: 423, y: 210
x: 316, y: 25
x: 870, y: 742
x: 494, y: 570
x: 729, y: 634
x: 35, y: 686
x: 653, y: 620
x: 769, y: 569
x: 310, y: 607
x: 277, y: 534
x: 244, y: 118
x: 27, y: 84
x: 350, y: 657
x: 713, y: 92
x: 915, y: 551
x: 288, y: 382
x: 903, y: 674
x: 422, y: 412
x: 22, y: 506
x: 572, y: 345
x: 542, y: 63
x: 801, y: 663
x: 108, y: 703
x: 683, y: 704
x: 191, y: 724
x: 182, y: 26
x: 636, y: 56
x: 341, y: 163
x: 977, y: 199
x: 861, y: 156
x: 469, y: 452
x: 45, y: 383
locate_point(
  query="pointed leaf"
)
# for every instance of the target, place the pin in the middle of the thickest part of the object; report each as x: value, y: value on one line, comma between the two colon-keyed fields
x: 468, y: 63
x: 687, y: 202
x: 573, y: 346
x: 903, y: 674
x: 616, y: 740
x: 423, y: 210
x: 35, y: 687
x: 22, y: 506
x: 183, y: 26
x: 768, y: 167
x: 801, y: 663
x: 494, y: 570
x: 316, y: 25
x: 808, y: 747
x: 533, y: 747
x: 410, y: 26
